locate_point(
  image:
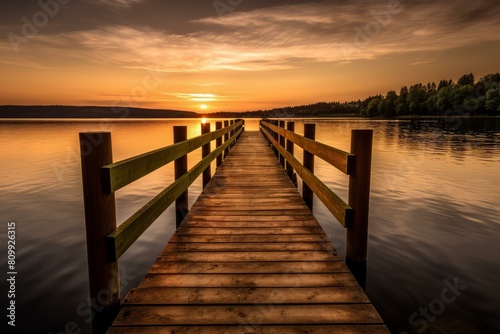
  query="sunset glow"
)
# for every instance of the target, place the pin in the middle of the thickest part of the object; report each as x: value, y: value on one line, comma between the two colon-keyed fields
x: 151, y: 54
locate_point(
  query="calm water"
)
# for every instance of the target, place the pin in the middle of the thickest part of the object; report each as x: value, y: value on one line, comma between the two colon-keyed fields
x: 434, y: 217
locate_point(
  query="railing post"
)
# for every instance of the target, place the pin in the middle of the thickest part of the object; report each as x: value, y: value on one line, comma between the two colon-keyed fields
x: 232, y: 132
x: 290, y: 126
x: 282, y: 143
x: 205, y: 150
x: 307, y: 193
x: 275, y: 136
x: 359, y: 200
x: 226, y: 138
x: 218, y: 143
x: 242, y: 126
x: 100, y: 220
x: 181, y: 168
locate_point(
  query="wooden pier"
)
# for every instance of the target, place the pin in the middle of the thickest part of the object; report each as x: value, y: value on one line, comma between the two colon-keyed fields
x: 249, y: 257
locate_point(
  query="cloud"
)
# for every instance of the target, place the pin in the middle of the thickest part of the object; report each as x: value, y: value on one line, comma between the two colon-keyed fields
x: 421, y: 62
x: 125, y: 4
x: 282, y: 37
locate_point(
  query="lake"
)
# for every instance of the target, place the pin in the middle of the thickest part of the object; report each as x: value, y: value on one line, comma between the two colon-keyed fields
x: 434, y: 217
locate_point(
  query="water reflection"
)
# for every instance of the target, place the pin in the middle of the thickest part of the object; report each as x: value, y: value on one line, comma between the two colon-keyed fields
x: 434, y: 211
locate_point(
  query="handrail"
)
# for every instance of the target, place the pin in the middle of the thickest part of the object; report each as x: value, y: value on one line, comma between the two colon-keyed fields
x: 357, y: 164
x: 120, y: 174
x: 341, y: 160
x: 340, y: 210
x: 130, y: 230
x: 102, y: 178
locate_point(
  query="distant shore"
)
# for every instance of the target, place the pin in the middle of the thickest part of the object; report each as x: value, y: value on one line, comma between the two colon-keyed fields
x: 33, y: 112
x: 74, y: 112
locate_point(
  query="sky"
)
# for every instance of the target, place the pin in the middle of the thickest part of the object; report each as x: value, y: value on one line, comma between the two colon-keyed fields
x: 237, y: 55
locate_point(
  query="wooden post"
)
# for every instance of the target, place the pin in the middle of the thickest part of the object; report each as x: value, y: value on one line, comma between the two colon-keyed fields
x: 307, y: 193
x: 218, y: 143
x: 290, y: 126
x: 205, y: 150
x: 226, y: 138
x: 359, y: 200
x: 275, y: 136
x: 232, y: 133
x: 100, y: 220
x: 181, y: 168
x: 242, y: 126
x: 282, y: 143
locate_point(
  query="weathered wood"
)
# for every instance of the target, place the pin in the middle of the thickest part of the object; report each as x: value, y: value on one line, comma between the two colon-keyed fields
x: 231, y: 123
x: 249, y: 230
x: 302, y: 212
x: 308, y: 163
x: 337, y: 158
x: 226, y: 138
x: 282, y: 143
x: 239, y: 296
x: 237, y: 247
x: 340, y: 210
x: 130, y: 230
x: 253, y: 223
x: 251, y: 315
x: 248, y: 280
x: 359, y: 199
x: 275, y: 267
x: 180, y: 168
x: 290, y: 126
x: 255, y: 329
x: 122, y: 173
x: 218, y: 143
x: 238, y: 264
x: 208, y: 256
x: 205, y: 151
x: 249, y: 238
x: 100, y: 220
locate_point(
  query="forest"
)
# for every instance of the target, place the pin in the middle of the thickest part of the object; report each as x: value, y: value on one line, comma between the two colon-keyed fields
x: 446, y: 98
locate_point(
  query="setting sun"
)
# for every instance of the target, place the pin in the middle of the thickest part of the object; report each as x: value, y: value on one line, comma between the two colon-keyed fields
x: 204, y: 106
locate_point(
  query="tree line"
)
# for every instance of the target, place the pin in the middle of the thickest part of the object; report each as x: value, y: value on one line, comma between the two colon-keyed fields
x: 465, y: 97
x: 446, y: 98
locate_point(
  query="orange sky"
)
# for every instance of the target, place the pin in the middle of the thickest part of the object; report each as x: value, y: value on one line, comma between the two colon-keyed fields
x: 254, y: 55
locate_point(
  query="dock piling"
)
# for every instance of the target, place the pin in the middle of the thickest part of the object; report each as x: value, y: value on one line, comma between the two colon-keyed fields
x: 100, y: 220
x: 307, y: 193
x: 181, y: 168
x: 205, y: 150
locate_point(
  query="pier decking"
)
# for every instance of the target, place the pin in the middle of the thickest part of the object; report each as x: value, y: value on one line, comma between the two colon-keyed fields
x: 249, y: 258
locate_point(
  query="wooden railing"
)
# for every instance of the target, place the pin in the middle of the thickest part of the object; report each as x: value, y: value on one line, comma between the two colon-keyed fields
x: 102, y: 178
x: 357, y: 164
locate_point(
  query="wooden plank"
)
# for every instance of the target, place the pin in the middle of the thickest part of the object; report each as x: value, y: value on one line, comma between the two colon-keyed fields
x: 304, y: 256
x: 248, y: 280
x: 249, y: 258
x: 249, y: 238
x: 238, y: 247
x: 249, y: 223
x: 247, y: 207
x: 290, y: 267
x: 255, y: 329
x: 221, y: 212
x: 194, y: 218
x: 241, y: 296
x: 250, y: 230
x: 259, y: 314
